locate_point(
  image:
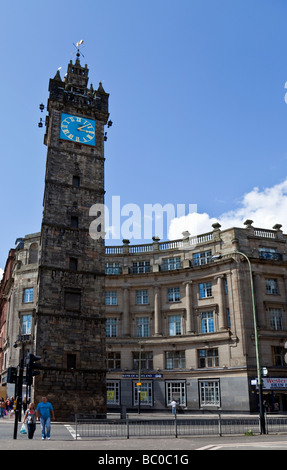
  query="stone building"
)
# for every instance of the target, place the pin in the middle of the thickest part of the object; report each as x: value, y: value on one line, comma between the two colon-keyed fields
x: 180, y: 320
x: 5, y: 287
x: 18, y: 293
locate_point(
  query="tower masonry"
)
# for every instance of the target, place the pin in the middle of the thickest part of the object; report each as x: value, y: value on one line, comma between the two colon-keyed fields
x: 70, y: 317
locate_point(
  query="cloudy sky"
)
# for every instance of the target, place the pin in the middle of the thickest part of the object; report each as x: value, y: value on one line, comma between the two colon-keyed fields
x: 265, y: 207
x: 197, y: 100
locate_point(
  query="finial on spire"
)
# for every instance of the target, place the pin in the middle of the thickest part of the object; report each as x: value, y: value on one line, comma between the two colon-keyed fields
x: 77, y: 46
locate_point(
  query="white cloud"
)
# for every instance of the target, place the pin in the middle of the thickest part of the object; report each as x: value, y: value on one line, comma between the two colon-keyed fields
x: 1, y: 274
x: 266, y: 208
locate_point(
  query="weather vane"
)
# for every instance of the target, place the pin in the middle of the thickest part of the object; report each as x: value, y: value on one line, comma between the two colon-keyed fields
x: 77, y: 46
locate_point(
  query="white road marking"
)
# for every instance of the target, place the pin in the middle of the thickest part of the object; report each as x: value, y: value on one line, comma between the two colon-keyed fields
x: 72, y: 431
x: 209, y: 447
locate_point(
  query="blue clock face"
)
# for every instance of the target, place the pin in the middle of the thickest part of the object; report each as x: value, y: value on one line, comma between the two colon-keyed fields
x: 78, y: 129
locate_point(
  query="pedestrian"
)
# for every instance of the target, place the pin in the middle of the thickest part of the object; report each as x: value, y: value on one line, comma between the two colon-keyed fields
x: 173, y: 407
x: 2, y: 407
x: 44, y: 412
x: 30, y: 418
x: 10, y: 403
x: 25, y: 404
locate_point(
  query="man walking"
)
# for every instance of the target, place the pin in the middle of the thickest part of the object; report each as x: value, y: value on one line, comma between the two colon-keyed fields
x: 44, y: 412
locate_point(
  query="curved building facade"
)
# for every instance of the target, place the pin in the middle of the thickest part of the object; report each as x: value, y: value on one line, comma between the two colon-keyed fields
x: 179, y: 320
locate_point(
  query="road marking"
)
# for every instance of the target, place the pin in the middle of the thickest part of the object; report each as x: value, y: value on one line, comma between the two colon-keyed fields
x: 247, y: 446
x: 206, y: 447
x: 72, y: 432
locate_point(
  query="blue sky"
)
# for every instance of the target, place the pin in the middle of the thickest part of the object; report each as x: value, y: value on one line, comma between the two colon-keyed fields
x: 197, y: 101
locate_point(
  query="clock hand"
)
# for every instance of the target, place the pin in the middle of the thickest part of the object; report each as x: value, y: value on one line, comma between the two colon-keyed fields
x: 81, y: 127
x: 84, y: 130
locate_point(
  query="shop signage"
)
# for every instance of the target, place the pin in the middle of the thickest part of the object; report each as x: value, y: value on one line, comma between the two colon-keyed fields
x: 143, y: 376
x: 274, y: 383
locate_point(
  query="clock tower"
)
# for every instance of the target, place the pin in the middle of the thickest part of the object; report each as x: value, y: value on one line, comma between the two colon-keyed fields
x: 70, y: 318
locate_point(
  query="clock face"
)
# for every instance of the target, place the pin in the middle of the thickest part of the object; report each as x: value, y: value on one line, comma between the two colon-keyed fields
x: 78, y: 129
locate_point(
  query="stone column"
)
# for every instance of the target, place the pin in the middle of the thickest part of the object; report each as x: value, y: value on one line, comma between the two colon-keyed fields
x: 189, y: 312
x: 157, y: 323
x: 126, y: 302
x: 221, y: 303
x: 259, y: 291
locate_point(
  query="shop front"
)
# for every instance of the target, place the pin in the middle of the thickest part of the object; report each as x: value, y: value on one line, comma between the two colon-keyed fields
x: 275, y: 394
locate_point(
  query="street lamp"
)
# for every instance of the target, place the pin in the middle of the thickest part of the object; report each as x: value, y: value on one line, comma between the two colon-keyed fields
x: 139, y: 379
x: 261, y: 409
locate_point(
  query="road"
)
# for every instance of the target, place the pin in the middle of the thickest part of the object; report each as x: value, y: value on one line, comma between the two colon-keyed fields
x: 63, y: 438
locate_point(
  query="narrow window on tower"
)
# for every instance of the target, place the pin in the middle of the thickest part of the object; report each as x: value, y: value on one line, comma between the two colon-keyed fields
x: 71, y: 361
x: 76, y: 181
x: 73, y: 264
x: 72, y: 301
x: 74, y: 221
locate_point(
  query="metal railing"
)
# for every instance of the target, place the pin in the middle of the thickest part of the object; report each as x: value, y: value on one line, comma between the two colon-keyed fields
x: 215, y: 425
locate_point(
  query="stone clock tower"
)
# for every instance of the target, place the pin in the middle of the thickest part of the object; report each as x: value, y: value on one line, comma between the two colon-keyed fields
x: 70, y: 321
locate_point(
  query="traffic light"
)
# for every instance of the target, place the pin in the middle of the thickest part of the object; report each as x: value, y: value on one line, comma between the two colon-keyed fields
x: 32, y: 365
x: 12, y: 375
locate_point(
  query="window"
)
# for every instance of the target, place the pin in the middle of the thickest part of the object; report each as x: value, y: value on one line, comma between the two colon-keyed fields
x: 33, y: 253
x: 140, y: 267
x: 276, y: 318
x: 73, y: 264
x: 271, y: 286
x: 26, y: 324
x: 143, y: 327
x: 176, y: 391
x: 174, y: 325
x: 113, y: 360
x: 111, y: 328
x: 173, y: 294
x: 146, y: 361
x: 170, y: 264
x: 28, y: 296
x: 228, y: 318
x: 113, y: 268
x: 225, y: 286
x: 175, y: 359
x: 202, y: 258
x: 74, y: 221
x: 278, y: 354
x: 141, y: 297
x: 111, y: 298
x: 205, y: 290
x: 209, y: 393
x: 146, y: 393
x: 269, y: 253
x: 208, y: 358
x: 76, y: 181
x: 113, y: 393
x: 72, y: 301
x: 71, y: 361
x: 207, y: 322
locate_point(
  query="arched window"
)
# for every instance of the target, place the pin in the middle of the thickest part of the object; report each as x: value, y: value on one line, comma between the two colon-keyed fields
x: 33, y: 253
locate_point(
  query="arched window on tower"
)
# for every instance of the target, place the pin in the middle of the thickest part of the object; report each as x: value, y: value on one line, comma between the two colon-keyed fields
x: 33, y: 253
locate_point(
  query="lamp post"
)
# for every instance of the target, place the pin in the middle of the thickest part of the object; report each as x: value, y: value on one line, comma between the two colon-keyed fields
x: 139, y: 379
x: 19, y: 386
x: 261, y: 409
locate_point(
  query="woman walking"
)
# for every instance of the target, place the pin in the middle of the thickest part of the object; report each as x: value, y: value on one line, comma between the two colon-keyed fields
x: 30, y: 417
